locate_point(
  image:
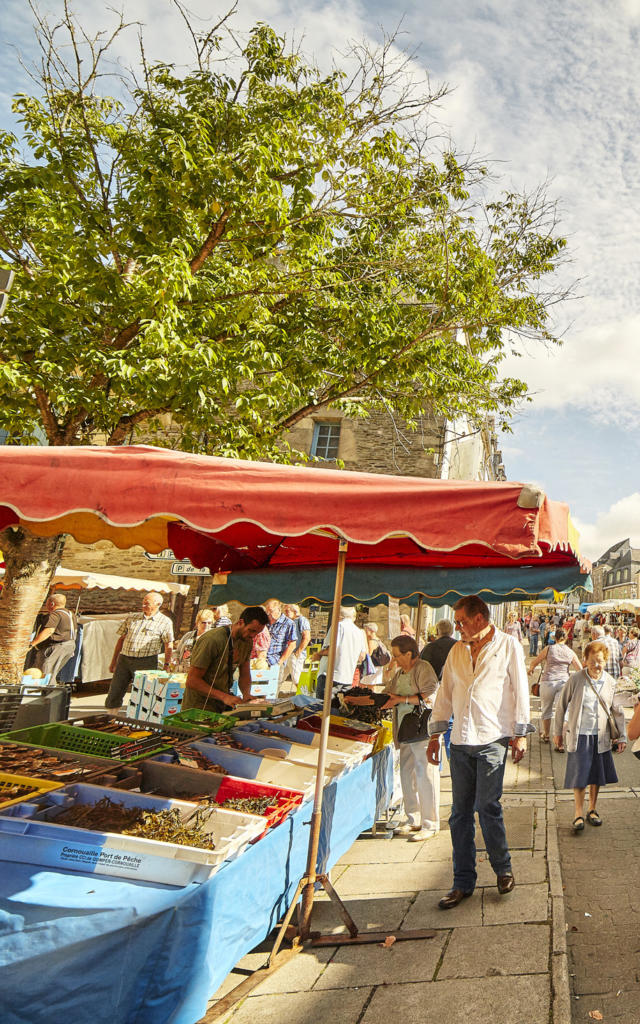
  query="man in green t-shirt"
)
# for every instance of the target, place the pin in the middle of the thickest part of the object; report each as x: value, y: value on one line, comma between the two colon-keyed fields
x: 215, y: 656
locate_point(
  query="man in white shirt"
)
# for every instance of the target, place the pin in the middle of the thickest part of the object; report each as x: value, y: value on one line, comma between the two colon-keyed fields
x: 484, y: 685
x: 350, y: 651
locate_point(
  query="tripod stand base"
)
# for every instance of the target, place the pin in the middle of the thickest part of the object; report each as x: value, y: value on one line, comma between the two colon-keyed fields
x: 363, y: 938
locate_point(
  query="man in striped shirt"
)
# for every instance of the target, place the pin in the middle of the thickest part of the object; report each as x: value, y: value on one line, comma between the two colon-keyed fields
x: 141, y: 639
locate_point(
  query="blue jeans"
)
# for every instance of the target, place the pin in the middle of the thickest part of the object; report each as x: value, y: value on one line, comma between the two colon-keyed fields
x: 476, y: 781
x: 533, y: 644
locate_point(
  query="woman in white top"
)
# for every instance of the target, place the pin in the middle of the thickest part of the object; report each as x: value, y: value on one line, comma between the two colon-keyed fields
x: 558, y: 661
x: 513, y: 627
x: 408, y: 679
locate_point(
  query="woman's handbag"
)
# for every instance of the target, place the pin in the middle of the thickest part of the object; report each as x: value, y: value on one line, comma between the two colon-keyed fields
x: 613, y: 728
x: 535, y: 687
x: 415, y: 724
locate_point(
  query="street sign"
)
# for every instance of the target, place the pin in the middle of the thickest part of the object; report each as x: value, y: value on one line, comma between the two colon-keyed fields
x: 187, y: 569
x: 163, y: 556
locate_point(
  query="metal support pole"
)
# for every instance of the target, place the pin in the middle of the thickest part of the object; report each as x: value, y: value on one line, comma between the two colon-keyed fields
x: 418, y: 617
x: 316, y: 817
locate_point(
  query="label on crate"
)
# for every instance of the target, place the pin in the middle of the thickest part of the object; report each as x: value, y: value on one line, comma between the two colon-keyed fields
x: 100, y: 857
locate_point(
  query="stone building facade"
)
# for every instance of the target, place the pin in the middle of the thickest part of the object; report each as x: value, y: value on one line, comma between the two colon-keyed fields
x: 381, y: 443
x: 615, y: 573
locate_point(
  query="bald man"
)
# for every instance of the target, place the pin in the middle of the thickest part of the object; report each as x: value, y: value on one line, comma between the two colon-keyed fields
x: 140, y: 641
x: 55, y: 643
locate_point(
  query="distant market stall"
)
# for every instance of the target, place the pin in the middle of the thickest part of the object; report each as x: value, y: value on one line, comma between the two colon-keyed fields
x: 80, y: 579
x: 97, y: 634
x: 234, y: 516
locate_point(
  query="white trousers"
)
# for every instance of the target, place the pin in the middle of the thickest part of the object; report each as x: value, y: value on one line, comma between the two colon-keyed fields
x: 420, y: 783
x: 548, y: 696
x: 296, y: 664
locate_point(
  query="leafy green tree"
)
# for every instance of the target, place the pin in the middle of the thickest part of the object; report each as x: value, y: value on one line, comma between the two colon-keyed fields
x: 227, y: 249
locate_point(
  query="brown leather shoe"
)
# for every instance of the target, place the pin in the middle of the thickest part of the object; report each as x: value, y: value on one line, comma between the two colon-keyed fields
x: 452, y: 898
x: 506, y: 883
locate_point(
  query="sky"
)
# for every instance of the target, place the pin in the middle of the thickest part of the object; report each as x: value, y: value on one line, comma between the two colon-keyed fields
x: 549, y: 92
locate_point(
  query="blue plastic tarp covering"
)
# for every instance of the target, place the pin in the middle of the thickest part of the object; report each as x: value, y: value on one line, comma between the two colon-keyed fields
x: 375, y: 586
x: 87, y: 949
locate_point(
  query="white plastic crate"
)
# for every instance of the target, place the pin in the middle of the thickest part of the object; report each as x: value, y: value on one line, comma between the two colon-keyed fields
x: 26, y: 836
x: 282, y: 748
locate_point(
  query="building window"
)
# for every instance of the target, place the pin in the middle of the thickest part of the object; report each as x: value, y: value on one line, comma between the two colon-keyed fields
x: 326, y: 438
x: 618, y: 574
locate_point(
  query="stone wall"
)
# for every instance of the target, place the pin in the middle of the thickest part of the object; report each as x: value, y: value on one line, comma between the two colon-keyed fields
x: 104, y: 557
x: 377, y: 444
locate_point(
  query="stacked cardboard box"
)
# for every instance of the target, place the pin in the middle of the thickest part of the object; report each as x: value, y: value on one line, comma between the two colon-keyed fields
x: 155, y: 695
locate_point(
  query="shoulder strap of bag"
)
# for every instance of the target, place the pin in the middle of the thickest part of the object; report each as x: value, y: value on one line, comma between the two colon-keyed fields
x: 612, y: 722
x: 71, y: 624
x: 421, y: 701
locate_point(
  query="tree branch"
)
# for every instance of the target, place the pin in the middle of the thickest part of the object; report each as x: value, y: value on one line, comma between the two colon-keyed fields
x: 126, y: 335
x: 210, y: 242
x: 126, y: 423
x: 49, y: 420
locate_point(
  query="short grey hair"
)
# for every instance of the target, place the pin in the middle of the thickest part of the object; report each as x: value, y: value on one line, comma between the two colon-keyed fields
x: 158, y: 598
x: 444, y: 627
x: 598, y: 630
x: 347, y: 613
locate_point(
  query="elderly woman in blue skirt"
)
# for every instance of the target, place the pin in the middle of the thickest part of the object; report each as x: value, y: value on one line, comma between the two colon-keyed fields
x: 588, y: 735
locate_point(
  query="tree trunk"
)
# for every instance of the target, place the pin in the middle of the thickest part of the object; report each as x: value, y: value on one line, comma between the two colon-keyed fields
x: 30, y: 563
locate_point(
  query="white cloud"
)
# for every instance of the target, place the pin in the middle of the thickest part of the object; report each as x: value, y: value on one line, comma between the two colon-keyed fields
x: 621, y: 520
x: 595, y: 370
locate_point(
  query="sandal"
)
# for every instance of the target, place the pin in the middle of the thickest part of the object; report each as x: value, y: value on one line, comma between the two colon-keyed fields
x: 578, y: 824
x: 594, y: 818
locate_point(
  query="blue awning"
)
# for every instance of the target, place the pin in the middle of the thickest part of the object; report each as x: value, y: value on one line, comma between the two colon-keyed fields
x: 375, y: 586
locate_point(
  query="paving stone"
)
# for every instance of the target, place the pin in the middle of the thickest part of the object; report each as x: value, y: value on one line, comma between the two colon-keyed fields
x: 526, y: 869
x: 302, y: 1007
x: 623, y: 1007
x: 525, y: 903
x: 372, y: 878
x: 372, y: 965
x: 438, y: 848
x: 425, y: 913
x: 508, y: 949
x: 298, y: 975
x: 373, y: 914
x: 500, y: 1000
x: 380, y: 851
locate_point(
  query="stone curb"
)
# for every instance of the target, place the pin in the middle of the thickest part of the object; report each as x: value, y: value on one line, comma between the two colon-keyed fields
x: 560, y: 987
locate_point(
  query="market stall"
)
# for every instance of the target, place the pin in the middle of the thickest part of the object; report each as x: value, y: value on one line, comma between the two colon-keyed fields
x: 231, y: 516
